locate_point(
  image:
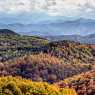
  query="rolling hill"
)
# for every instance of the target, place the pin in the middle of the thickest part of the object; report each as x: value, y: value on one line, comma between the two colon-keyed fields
x: 6, y: 32
x: 16, y: 45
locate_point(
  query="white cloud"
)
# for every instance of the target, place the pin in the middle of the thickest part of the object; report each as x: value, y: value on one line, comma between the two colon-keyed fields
x: 71, y: 7
x: 16, y: 5
x: 66, y: 8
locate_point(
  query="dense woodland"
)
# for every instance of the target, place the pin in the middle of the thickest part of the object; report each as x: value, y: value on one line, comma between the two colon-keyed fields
x: 83, y: 83
x: 42, y: 67
x: 34, y: 66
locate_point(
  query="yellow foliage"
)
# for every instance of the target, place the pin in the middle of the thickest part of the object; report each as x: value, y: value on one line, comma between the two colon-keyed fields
x: 17, y: 86
x: 69, y: 91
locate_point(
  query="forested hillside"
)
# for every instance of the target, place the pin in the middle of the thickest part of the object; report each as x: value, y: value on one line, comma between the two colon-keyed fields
x: 31, y: 65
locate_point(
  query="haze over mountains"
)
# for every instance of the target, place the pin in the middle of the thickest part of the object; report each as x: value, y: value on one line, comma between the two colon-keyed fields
x: 55, y: 28
x: 89, y: 39
x: 81, y: 30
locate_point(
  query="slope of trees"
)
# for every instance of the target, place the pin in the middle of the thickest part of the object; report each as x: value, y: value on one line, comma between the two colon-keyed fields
x: 42, y: 67
x: 36, y: 59
x: 84, y: 83
x: 71, y: 52
x: 12, y: 46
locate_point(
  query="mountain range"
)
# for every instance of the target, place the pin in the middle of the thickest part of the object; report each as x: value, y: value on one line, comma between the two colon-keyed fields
x: 89, y: 39
x: 53, y: 28
x: 81, y: 30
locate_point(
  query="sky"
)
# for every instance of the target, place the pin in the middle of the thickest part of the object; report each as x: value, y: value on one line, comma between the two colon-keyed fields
x: 35, y: 11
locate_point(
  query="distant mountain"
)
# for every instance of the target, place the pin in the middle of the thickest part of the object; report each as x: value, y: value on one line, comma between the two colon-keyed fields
x: 89, y: 39
x: 7, y: 32
x: 64, y: 37
x: 58, y: 30
x: 55, y: 28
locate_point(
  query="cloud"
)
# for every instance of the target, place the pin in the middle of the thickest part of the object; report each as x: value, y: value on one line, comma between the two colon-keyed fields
x: 12, y: 6
x: 65, y: 8
x: 15, y: 5
x: 71, y: 7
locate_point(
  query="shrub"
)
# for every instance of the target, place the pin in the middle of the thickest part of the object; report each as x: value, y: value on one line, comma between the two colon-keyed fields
x: 18, y: 86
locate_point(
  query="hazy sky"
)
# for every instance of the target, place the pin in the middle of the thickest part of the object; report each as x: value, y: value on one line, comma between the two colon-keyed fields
x: 40, y: 10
